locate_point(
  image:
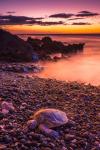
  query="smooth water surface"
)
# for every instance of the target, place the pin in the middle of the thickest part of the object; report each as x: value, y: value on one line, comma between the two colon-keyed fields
x: 82, y: 67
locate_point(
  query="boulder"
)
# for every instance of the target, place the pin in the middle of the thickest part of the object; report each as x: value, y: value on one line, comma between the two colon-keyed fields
x: 35, y: 43
x: 12, y: 48
x: 47, y: 46
x: 46, y: 40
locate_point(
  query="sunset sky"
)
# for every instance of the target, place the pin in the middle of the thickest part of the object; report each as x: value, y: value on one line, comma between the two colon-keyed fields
x: 50, y: 16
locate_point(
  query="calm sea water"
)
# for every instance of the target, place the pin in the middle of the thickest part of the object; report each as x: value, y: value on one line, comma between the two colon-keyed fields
x: 81, y: 67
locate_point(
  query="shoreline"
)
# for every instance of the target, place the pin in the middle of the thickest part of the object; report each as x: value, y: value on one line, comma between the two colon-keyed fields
x: 79, y: 101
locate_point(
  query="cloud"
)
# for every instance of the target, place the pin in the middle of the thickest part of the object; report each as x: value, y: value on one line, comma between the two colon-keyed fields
x: 61, y: 15
x: 86, y: 14
x: 49, y: 23
x: 9, y: 19
x: 21, y: 20
x: 11, y: 12
x: 75, y: 18
x: 24, y: 20
x: 81, y: 23
x: 39, y: 18
x: 79, y: 15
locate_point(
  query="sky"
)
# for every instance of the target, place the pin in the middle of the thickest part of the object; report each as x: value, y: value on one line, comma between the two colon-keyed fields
x: 50, y: 16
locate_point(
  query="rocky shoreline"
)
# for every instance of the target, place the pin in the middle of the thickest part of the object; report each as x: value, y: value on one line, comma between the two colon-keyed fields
x: 15, y: 49
x: 20, y: 67
x: 27, y: 95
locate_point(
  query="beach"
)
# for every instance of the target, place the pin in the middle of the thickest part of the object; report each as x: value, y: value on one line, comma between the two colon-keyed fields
x: 79, y: 101
x: 49, y: 75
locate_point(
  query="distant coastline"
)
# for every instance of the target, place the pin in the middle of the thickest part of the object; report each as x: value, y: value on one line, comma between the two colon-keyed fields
x: 59, y: 34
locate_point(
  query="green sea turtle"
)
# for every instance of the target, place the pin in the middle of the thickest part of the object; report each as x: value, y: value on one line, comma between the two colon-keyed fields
x: 46, y: 119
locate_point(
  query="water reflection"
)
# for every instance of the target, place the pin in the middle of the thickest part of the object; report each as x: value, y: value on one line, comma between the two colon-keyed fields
x: 76, y: 68
x: 83, y: 67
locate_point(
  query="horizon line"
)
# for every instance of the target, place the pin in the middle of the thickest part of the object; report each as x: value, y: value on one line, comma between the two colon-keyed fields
x: 59, y: 34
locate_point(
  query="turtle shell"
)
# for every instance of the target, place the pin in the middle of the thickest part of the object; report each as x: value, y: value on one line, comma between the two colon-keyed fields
x: 51, y: 117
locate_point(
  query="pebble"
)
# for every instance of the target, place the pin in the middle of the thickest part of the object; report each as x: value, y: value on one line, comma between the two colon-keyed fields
x: 28, y: 95
x: 7, y: 139
x: 1, y: 115
x: 2, y: 147
x: 64, y: 148
x: 69, y: 137
x: 20, y: 68
x: 7, y: 107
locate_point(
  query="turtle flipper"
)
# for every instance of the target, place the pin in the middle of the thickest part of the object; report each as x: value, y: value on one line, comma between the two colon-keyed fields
x: 54, y: 134
x: 32, y: 124
x: 48, y: 131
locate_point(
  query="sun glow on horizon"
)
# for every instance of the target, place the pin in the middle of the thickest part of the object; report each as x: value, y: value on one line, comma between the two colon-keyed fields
x: 54, y: 29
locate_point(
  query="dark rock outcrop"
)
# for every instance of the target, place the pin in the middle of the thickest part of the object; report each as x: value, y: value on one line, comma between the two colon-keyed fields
x: 47, y: 46
x: 12, y: 48
x: 35, y: 43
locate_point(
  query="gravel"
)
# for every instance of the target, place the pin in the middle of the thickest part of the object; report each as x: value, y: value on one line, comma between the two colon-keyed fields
x: 80, y: 102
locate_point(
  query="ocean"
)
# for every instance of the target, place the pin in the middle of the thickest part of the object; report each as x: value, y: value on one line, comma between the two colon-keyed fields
x: 81, y: 67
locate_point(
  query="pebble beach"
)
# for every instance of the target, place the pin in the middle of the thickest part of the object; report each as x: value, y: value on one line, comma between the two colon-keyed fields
x: 80, y: 102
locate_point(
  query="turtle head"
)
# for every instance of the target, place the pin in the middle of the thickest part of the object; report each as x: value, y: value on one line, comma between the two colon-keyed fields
x: 70, y: 123
x: 32, y: 124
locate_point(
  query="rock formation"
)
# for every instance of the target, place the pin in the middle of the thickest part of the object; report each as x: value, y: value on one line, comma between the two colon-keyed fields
x: 12, y: 48
x: 47, y: 46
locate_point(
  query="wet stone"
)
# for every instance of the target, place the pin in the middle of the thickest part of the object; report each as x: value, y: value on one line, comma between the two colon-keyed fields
x: 52, y: 145
x: 69, y: 137
x: 7, y: 139
x: 2, y: 147
x: 1, y: 116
